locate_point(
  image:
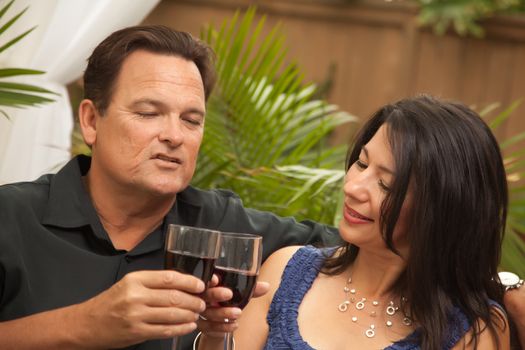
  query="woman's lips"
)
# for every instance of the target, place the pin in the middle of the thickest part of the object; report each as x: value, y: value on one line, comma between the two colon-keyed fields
x: 353, y: 217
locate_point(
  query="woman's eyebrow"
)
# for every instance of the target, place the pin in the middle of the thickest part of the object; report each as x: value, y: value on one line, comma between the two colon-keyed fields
x: 381, y: 167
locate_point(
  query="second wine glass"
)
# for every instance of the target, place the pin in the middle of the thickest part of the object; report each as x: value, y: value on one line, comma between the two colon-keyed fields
x: 237, y: 267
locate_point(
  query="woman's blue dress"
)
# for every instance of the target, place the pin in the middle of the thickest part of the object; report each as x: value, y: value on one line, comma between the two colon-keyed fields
x: 298, y: 276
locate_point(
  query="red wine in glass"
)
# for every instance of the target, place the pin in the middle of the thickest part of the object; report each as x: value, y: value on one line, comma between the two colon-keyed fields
x: 191, y: 250
x: 237, y: 267
x: 198, y: 266
x: 241, y: 284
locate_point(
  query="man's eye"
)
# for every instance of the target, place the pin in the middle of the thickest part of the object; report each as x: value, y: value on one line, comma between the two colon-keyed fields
x: 360, y: 164
x: 147, y: 114
x: 192, y: 121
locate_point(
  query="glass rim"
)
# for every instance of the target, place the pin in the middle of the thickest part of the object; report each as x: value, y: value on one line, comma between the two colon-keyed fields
x: 240, y: 235
x: 194, y: 228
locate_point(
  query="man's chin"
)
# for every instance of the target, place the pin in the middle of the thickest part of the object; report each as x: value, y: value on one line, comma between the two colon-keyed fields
x: 167, y: 189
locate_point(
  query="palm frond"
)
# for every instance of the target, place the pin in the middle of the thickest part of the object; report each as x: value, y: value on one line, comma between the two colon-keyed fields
x: 265, y: 135
x: 302, y: 192
x: 8, y: 24
x: 513, y: 251
x: 13, y: 94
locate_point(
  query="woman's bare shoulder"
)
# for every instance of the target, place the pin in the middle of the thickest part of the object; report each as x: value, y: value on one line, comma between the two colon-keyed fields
x: 283, y: 254
x: 274, y: 266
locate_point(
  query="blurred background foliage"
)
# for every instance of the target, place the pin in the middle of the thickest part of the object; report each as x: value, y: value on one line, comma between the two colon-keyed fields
x: 513, y: 251
x: 464, y: 15
x: 267, y: 133
x: 266, y: 137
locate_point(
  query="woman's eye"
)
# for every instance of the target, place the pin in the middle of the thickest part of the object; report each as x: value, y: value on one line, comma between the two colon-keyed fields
x: 360, y: 164
x: 383, y: 186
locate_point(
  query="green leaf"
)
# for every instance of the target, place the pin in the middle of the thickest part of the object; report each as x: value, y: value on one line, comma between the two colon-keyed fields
x: 16, y: 99
x: 512, y: 140
x: 15, y: 40
x: 5, y: 8
x: 11, y: 72
x: 5, y: 114
x: 504, y: 115
x: 24, y: 87
x: 488, y: 109
x: 12, y: 20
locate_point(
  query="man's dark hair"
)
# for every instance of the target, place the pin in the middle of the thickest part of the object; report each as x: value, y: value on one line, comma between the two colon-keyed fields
x: 105, y: 62
x: 457, y: 216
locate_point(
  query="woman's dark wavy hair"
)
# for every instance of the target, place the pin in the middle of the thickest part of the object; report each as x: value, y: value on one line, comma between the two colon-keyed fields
x: 458, y: 212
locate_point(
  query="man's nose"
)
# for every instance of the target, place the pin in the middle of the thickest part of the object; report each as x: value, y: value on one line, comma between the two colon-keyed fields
x: 172, y: 131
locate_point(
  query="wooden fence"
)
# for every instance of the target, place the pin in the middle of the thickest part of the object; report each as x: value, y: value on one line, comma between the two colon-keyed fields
x: 374, y: 52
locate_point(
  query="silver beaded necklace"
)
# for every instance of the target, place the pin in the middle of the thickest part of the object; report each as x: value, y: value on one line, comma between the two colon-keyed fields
x: 390, y: 310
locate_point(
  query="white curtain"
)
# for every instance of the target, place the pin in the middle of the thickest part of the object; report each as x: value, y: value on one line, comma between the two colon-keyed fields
x: 36, y: 140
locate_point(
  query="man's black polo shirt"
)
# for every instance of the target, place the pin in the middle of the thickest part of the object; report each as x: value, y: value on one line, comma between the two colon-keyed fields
x: 55, y: 252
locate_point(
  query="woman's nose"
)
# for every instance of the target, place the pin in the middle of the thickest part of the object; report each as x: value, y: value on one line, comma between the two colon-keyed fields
x: 357, y: 186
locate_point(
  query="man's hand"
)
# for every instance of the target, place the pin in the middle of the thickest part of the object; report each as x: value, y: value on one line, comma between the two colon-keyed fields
x: 514, y: 300
x: 143, y: 305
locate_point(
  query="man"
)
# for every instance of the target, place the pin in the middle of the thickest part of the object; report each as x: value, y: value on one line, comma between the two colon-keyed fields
x: 81, y: 252
x: 514, y: 299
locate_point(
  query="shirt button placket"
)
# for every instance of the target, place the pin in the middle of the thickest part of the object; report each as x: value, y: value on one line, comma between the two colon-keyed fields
x: 123, y: 267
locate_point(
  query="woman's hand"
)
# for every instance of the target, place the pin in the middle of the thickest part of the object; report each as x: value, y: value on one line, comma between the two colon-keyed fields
x: 216, y: 320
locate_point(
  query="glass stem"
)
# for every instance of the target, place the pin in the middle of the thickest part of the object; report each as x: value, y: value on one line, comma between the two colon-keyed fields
x: 228, y: 341
x: 175, y: 343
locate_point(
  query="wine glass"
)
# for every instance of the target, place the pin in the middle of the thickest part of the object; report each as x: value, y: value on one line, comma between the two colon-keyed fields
x: 237, y: 267
x: 191, y: 250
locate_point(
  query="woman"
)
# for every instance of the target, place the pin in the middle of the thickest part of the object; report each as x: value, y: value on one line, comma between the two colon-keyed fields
x: 425, y: 203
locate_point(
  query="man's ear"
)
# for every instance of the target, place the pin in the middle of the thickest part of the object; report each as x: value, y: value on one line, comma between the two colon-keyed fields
x: 88, y: 116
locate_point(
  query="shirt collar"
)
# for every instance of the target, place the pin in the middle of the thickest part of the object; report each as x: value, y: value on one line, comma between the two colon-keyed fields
x: 69, y: 204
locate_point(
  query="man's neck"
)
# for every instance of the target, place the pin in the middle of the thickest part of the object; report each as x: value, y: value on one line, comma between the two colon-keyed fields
x: 127, y: 217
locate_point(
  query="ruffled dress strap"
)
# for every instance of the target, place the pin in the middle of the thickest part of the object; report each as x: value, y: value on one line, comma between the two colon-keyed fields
x: 298, y: 276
